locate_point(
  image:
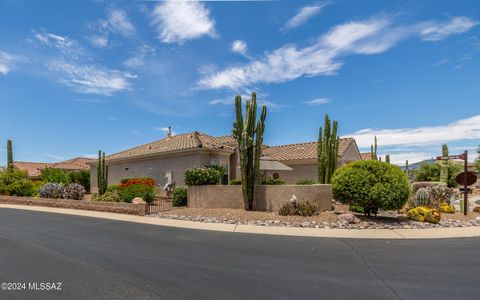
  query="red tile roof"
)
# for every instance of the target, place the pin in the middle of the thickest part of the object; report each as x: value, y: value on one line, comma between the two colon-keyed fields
x: 303, y: 150
x: 34, y: 168
x: 366, y: 155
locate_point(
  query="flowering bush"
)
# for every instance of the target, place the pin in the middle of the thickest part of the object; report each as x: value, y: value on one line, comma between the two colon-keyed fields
x: 130, y: 181
x: 51, y: 190
x: 130, y: 188
x: 202, y: 176
x: 74, y: 191
x: 109, y: 196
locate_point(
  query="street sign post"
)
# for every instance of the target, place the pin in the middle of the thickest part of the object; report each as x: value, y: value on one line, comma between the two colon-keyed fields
x: 466, y: 178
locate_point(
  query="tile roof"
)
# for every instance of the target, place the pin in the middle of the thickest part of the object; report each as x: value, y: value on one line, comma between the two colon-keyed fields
x: 34, y: 168
x: 366, y: 155
x: 188, y: 141
x: 303, y: 150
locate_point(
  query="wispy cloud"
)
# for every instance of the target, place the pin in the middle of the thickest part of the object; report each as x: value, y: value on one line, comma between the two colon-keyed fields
x: 91, y: 79
x: 6, y: 62
x: 53, y: 156
x: 66, y: 46
x: 464, y: 129
x: 90, y: 100
x: 138, y: 59
x: 120, y: 22
x: 318, y: 101
x: 261, y: 100
x: 240, y: 47
x: 290, y: 62
x: 435, y: 31
x: 134, y: 132
x: 303, y: 15
x: 180, y: 21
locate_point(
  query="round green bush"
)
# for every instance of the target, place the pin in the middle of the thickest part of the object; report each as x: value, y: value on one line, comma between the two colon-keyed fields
x: 202, y: 176
x: 372, y: 185
x: 179, y: 196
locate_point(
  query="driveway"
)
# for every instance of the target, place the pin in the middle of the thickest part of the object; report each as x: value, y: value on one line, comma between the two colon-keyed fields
x: 104, y: 259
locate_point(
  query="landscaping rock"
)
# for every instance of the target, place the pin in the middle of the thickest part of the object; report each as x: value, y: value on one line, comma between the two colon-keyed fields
x: 348, y: 218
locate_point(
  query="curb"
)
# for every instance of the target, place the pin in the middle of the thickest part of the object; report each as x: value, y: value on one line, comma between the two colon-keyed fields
x: 430, y: 233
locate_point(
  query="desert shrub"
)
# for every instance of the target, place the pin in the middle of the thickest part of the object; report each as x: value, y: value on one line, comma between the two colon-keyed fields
x: 134, y: 180
x: 223, y: 173
x: 440, y: 194
x: 55, y: 175
x: 236, y: 182
x: 113, y: 188
x: 74, y: 191
x: 424, y: 214
x: 371, y: 185
x: 15, y: 183
x: 37, y: 184
x: 202, y: 176
x: 431, y: 172
x: 108, y: 196
x: 81, y: 177
x: 179, y: 196
x: 272, y: 181
x: 306, y: 181
x: 446, y: 208
x: 425, y: 184
x: 144, y: 191
x: 51, y: 190
x: 304, y: 208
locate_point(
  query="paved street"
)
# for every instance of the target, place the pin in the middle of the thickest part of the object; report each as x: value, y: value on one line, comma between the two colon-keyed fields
x: 104, y: 259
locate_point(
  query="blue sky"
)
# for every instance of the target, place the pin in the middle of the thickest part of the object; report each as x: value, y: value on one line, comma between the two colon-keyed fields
x: 78, y: 76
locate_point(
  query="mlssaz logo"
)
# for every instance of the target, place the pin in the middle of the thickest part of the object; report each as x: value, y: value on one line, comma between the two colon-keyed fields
x: 45, y: 286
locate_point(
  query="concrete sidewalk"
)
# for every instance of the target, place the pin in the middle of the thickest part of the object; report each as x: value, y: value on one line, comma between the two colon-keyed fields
x: 431, y: 233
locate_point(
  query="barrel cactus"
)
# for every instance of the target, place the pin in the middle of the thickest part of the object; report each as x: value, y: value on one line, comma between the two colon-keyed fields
x: 421, y: 197
x: 424, y: 214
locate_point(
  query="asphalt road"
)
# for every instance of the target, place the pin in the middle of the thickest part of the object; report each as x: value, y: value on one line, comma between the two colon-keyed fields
x: 103, y: 259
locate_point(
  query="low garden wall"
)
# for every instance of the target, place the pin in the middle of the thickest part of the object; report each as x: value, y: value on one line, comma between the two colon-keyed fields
x: 268, y: 197
x: 114, y: 207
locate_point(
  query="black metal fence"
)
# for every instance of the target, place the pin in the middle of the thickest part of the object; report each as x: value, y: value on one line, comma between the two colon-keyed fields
x: 159, y: 205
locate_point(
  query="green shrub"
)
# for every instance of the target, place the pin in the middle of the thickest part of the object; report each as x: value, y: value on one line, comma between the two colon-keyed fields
x: 179, y: 196
x: 306, y: 181
x: 108, y: 196
x: 272, y: 181
x: 81, y: 177
x: 431, y: 172
x: 371, y: 185
x: 15, y: 183
x: 304, y: 209
x: 356, y: 208
x: 202, y: 176
x: 144, y: 191
x: 236, y: 182
x: 113, y: 188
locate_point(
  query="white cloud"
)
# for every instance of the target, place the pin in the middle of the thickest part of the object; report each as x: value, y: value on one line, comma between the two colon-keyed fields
x: 138, y: 59
x: 240, y: 47
x: 53, y: 156
x: 119, y: 22
x: 63, y: 44
x: 303, y: 15
x: 260, y: 101
x: 318, y: 101
x: 179, y: 21
x: 464, y: 129
x: 290, y: 62
x: 435, y: 31
x: 412, y: 157
x: 99, y: 41
x: 134, y: 132
x: 6, y: 62
x: 91, y: 79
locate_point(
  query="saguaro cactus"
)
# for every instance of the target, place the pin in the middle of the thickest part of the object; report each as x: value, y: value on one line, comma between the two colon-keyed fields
x: 102, y: 173
x: 9, y: 155
x: 327, y: 150
x: 444, y: 165
x: 387, y: 158
x: 250, y: 139
x: 373, y: 149
x: 444, y: 150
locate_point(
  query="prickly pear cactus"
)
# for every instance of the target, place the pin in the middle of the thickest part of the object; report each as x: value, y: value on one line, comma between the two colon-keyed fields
x: 421, y: 197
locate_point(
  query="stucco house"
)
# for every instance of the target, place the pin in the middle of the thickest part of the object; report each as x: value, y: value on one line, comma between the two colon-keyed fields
x: 167, y: 159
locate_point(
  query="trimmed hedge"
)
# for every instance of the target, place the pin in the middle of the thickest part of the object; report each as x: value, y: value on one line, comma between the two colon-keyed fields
x: 202, y: 176
x: 372, y: 185
x: 179, y: 196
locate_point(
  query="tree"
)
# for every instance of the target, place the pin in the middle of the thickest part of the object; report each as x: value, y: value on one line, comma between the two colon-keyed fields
x: 249, y: 137
x: 431, y: 172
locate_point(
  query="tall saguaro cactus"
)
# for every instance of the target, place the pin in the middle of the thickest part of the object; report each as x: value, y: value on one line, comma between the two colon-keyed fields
x: 250, y: 139
x: 9, y: 155
x: 327, y: 150
x: 444, y: 150
x: 444, y: 165
x: 102, y: 173
x: 387, y: 158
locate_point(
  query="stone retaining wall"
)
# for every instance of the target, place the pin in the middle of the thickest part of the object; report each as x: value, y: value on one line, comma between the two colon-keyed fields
x: 114, y: 207
x: 269, y: 197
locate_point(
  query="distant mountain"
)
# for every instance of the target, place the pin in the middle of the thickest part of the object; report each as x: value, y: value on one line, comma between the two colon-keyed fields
x: 418, y: 164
